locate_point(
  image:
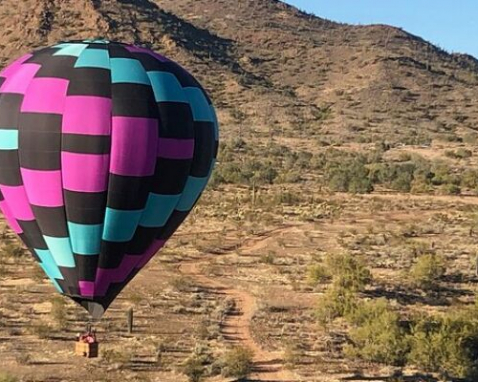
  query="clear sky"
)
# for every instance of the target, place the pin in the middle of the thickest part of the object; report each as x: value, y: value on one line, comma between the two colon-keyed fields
x: 451, y: 24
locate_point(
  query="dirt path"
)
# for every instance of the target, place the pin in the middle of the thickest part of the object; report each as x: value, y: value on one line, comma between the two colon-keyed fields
x: 236, y: 329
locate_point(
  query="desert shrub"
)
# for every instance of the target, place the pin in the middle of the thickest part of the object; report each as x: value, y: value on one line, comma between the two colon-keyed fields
x: 238, y: 115
x: 427, y: 271
x: 377, y: 335
x: 290, y: 177
x: 23, y: 358
x: 368, y: 311
x: 38, y: 274
x: 318, y: 274
x: 7, y: 377
x: 451, y: 138
x: 348, y: 272
x: 160, y: 350
x: 200, y: 364
x: 349, y: 276
x: 336, y: 302
x: 136, y: 298
x: 237, y: 362
x: 348, y: 175
x: 113, y: 356
x: 403, y: 182
x: 460, y: 153
x: 404, y: 157
x: 13, y: 250
x: 59, y: 311
x: 268, y: 258
x: 194, y: 369
x: 417, y: 139
x: 417, y: 175
x: 451, y: 189
x: 41, y: 330
x: 446, y: 344
x: 3, y: 270
x: 293, y: 355
x: 470, y: 138
x: 420, y: 185
x: 288, y: 197
x: 397, y: 176
x: 182, y: 283
x: 469, y: 179
x: 322, y: 113
x: 252, y: 171
x: 443, y: 174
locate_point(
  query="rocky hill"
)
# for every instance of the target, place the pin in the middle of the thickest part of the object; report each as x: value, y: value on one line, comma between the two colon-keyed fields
x: 273, y: 69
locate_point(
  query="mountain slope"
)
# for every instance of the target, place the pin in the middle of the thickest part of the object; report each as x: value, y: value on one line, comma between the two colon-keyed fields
x: 272, y: 68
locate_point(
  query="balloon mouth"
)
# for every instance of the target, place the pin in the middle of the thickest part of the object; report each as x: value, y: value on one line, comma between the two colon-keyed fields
x: 95, y: 309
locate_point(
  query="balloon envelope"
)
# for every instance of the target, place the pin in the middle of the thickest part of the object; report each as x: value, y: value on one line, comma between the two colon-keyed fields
x: 104, y: 150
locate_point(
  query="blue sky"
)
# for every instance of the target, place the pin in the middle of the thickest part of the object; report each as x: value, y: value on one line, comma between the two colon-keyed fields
x: 453, y: 25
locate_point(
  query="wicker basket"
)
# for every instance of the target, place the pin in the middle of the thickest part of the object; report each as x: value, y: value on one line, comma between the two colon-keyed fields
x: 86, y: 350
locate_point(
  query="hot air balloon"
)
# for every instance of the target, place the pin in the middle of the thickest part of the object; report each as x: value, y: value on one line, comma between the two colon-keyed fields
x: 104, y: 150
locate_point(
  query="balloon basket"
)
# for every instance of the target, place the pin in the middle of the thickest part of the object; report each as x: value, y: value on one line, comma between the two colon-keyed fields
x: 87, y: 350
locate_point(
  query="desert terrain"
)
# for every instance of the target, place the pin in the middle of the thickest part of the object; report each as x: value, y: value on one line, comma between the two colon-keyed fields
x: 339, y: 231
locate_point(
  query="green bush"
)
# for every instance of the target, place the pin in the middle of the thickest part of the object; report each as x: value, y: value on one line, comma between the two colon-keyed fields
x: 446, y: 344
x: 348, y: 272
x: 397, y: 176
x: 377, y: 335
x: 349, y: 276
x: 403, y: 182
x: 348, y: 175
x: 318, y: 274
x: 252, y: 171
x: 368, y: 311
x: 237, y: 362
x: 442, y: 174
x: 336, y: 302
x: 427, y: 272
